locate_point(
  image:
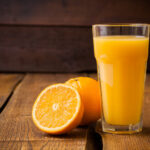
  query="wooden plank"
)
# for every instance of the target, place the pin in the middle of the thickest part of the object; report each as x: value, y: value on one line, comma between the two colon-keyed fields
x: 8, y: 83
x: 25, y: 94
x: 46, y: 49
x: 93, y: 142
x: 42, y: 145
x: 66, y: 12
x: 49, y: 49
x: 140, y: 141
x: 22, y: 129
x: 21, y: 133
x: 17, y: 129
x: 147, y: 83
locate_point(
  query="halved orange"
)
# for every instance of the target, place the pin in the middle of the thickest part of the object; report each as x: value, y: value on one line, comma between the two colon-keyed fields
x: 57, y: 109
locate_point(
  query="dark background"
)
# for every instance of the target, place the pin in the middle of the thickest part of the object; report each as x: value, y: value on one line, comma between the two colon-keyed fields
x: 55, y: 35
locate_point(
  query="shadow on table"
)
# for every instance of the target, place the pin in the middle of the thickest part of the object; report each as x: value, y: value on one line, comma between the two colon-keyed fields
x: 87, y: 133
x: 146, y: 131
x: 94, y: 141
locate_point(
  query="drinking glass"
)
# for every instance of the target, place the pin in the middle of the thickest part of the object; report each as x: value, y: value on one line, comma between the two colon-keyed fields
x: 121, y: 52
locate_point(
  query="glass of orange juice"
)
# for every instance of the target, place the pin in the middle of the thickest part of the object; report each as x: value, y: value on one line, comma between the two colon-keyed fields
x: 121, y: 52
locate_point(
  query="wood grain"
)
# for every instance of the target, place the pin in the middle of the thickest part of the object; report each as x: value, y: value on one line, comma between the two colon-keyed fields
x: 42, y: 145
x: 147, y: 84
x: 140, y: 141
x: 24, y: 96
x: 46, y: 49
x: 17, y: 130
x: 7, y: 84
x: 66, y: 12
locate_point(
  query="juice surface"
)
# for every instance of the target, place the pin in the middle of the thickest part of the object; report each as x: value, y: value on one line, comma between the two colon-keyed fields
x: 121, y: 62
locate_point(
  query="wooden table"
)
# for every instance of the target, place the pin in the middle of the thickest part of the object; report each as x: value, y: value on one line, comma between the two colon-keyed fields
x: 17, y: 131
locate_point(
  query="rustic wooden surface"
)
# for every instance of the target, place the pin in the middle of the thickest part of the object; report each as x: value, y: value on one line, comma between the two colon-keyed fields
x: 43, y: 36
x: 17, y: 130
x: 46, y: 49
x: 7, y: 85
x: 79, y: 12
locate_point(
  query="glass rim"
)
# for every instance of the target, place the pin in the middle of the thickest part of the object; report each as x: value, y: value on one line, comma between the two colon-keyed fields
x: 121, y: 25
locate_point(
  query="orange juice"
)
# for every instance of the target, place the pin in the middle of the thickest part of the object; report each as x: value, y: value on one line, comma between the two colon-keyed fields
x: 122, y: 64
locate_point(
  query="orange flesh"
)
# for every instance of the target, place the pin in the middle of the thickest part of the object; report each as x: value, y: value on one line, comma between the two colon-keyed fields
x: 56, y: 107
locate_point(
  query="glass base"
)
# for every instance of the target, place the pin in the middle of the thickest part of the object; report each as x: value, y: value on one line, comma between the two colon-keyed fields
x: 121, y: 129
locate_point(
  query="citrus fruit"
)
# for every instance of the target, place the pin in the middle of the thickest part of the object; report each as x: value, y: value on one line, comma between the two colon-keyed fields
x: 89, y: 91
x: 57, y: 109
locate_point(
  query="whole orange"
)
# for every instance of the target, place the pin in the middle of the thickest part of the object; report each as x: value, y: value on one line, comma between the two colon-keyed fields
x: 89, y: 91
